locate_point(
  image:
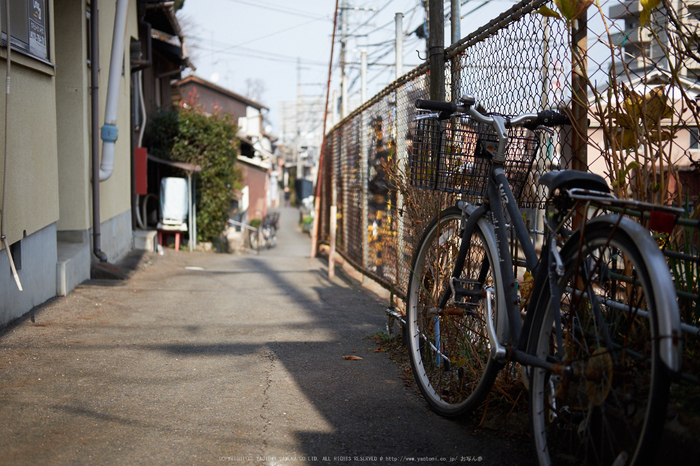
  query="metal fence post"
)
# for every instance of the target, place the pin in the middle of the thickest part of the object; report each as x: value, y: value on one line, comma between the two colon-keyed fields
x: 364, y: 180
x: 402, y: 113
x: 331, y: 254
x: 579, y: 94
x: 334, y: 210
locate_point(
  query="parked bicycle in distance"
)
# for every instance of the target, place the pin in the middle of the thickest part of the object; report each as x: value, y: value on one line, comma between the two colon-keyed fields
x: 265, y: 236
x: 600, y: 329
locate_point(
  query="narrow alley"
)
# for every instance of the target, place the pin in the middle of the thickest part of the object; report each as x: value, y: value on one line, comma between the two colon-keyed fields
x: 209, y: 358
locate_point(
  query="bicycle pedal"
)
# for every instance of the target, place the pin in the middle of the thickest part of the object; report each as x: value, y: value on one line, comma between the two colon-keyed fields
x: 469, y: 306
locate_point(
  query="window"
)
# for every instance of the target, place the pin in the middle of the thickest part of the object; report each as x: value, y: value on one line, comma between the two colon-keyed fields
x: 694, y: 137
x: 28, y: 27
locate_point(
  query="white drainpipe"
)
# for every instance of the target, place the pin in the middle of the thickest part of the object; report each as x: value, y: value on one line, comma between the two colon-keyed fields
x: 109, y: 131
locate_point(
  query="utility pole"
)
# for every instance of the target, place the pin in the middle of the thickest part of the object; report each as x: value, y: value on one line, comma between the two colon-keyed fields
x: 297, y: 139
x: 436, y: 48
x: 399, y: 45
x: 343, y: 46
x: 456, y: 34
x: 455, y: 21
x: 363, y: 76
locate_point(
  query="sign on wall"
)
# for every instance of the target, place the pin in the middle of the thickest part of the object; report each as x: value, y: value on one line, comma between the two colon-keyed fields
x: 28, y: 27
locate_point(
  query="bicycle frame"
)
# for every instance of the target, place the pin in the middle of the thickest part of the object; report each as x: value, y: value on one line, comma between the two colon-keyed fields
x: 599, y: 337
x: 498, y: 194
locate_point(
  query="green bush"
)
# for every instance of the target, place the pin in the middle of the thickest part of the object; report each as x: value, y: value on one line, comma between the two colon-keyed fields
x: 189, y: 135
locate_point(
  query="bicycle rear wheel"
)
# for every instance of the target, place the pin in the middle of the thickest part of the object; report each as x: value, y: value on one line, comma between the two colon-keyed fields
x: 254, y: 239
x: 610, y: 408
x: 449, y: 348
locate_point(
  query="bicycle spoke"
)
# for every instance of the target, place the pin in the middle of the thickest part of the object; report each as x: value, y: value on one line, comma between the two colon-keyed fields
x: 449, y: 346
x: 597, y: 411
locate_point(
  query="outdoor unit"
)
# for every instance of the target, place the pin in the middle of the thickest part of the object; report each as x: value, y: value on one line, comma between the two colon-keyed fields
x: 173, y: 201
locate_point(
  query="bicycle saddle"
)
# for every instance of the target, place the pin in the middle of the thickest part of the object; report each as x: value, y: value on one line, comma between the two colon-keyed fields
x: 567, y: 179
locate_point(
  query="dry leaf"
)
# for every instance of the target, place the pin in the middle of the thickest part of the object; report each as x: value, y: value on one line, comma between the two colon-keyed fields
x: 526, y: 289
x: 352, y: 358
x: 624, y: 120
x: 626, y: 140
x: 657, y: 105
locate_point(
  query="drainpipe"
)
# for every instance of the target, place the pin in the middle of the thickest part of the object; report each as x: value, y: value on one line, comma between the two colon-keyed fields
x: 109, y: 131
x: 95, y: 101
x: 3, y: 238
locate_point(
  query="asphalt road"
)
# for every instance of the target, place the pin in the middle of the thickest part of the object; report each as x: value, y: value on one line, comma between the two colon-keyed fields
x: 217, y: 358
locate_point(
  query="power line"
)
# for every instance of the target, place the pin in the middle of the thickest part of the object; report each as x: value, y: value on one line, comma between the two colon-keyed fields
x: 250, y: 52
x: 384, y: 26
x: 279, y: 9
x: 371, y: 17
x: 266, y: 36
x: 259, y: 56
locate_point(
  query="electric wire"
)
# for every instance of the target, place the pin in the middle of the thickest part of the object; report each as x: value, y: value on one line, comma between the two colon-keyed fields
x: 254, y: 53
x: 278, y: 9
x: 372, y: 17
x: 263, y: 37
x: 383, y: 27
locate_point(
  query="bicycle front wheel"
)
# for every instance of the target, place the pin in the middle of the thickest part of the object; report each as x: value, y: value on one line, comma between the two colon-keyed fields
x: 609, y: 407
x: 254, y: 240
x: 449, y: 347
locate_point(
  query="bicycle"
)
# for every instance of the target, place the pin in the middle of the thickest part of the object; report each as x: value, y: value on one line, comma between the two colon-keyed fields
x: 270, y: 224
x: 599, y: 336
x: 265, y: 236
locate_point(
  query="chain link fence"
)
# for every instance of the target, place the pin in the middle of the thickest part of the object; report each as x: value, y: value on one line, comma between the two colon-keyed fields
x: 627, y: 76
x: 517, y: 63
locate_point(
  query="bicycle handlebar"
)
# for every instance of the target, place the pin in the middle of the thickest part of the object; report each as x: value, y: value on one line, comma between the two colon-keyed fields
x: 531, y: 121
x: 437, y: 105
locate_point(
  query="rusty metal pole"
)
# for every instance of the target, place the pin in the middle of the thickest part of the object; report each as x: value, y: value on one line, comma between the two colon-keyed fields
x: 579, y: 92
x: 319, y: 177
x: 579, y: 99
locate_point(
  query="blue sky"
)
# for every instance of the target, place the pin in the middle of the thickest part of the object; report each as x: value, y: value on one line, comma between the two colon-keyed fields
x: 237, y: 42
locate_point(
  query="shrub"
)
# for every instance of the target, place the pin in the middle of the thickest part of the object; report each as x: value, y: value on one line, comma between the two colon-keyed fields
x: 189, y: 135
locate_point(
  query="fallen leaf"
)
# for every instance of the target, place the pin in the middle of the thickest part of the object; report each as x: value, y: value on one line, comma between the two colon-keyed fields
x: 352, y: 358
x: 379, y: 350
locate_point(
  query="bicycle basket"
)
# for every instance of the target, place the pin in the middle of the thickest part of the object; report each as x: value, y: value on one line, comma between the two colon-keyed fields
x: 451, y: 155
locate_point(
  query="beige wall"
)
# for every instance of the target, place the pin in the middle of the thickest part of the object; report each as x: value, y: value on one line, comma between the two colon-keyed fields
x: 73, y: 98
x: 115, y: 193
x: 32, y: 188
x: 73, y: 82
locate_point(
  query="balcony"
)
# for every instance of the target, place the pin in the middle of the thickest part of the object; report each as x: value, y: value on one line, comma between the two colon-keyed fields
x: 624, y: 10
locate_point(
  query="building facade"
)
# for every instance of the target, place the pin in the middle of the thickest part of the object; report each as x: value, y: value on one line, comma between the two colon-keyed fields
x: 59, y: 60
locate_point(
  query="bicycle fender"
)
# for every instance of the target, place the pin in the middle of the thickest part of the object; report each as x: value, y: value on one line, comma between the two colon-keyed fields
x: 670, y: 334
x: 502, y: 328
